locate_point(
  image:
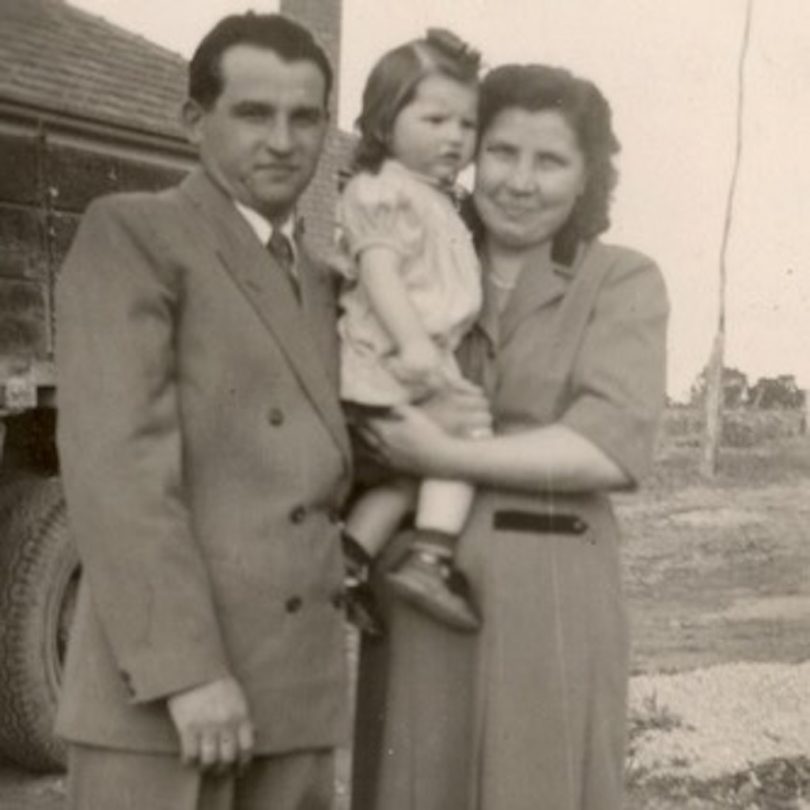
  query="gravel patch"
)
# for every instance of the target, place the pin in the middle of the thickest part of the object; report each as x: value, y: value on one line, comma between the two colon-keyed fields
x: 721, y: 720
x: 722, y: 517
x: 774, y: 608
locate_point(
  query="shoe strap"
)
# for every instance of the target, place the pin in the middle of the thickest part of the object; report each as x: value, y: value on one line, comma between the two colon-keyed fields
x: 355, y: 553
x: 430, y: 557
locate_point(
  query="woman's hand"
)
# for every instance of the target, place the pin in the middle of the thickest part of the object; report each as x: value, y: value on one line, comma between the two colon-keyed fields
x: 409, y: 437
x: 408, y: 441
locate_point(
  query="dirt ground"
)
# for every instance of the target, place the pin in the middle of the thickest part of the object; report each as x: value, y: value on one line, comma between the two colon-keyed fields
x: 720, y: 573
x: 715, y: 573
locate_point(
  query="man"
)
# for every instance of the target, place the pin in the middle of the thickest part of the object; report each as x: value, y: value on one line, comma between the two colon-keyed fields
x: 205, y: 459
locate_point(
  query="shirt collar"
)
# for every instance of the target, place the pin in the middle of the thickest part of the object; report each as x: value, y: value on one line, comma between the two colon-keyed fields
x: 263, y: 228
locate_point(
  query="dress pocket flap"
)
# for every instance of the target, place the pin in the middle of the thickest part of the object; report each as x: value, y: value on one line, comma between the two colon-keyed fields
x: 513, y: 520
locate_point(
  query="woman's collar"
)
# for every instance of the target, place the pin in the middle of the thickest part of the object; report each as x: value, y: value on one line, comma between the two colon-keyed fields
x: 541, y: 282
x: 569, y: 269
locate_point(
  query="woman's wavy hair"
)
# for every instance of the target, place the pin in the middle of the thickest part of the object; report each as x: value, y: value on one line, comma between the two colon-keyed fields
x: 392, y: 84
x: 535, y: 88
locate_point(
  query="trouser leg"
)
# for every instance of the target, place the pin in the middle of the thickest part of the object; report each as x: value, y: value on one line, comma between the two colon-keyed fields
x: 107, y: 779
x: 300, y: 781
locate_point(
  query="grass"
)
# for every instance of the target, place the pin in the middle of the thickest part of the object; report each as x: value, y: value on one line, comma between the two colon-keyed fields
x: 652, y: 716
x: 779, y: 461
x: 777, y: 784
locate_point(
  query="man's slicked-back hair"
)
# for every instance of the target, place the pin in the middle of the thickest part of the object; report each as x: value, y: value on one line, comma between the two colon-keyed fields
x: 289, y: 40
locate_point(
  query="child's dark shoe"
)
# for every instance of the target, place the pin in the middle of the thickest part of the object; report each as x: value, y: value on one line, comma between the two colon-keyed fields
x: 361, y: 604
x: 357, y: 559
x: 362, y: 609
x: 431, y: 583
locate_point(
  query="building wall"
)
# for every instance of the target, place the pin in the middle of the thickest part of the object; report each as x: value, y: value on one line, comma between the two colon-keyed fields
x: 323, y: 18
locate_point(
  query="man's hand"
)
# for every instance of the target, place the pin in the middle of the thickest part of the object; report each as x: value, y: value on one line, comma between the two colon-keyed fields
x: 214, y: 725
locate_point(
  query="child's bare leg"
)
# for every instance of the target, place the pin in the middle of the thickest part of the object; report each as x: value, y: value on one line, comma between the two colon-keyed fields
x: 442, y: 511
x: 378, y: 513
x: 428, y: 578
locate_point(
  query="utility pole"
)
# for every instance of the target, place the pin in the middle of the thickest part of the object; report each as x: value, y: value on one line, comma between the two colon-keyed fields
x: 714, y: 371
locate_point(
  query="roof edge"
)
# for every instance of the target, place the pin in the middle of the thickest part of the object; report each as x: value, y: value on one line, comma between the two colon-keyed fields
x: 127, y: 33
x: 34, y: 116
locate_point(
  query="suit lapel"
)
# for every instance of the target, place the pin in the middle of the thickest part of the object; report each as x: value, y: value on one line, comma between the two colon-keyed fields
x: 268, y: 291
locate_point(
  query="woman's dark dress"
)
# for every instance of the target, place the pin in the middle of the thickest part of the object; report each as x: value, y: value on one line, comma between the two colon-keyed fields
x: 530, y: 713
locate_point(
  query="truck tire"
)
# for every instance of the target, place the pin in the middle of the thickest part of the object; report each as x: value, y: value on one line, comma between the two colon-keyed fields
x: 39, y: 573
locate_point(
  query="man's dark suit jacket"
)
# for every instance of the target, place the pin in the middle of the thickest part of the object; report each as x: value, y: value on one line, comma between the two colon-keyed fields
x: 204, y: 458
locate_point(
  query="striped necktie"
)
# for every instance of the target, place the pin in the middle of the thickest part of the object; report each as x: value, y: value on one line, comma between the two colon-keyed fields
x: 280, y: 249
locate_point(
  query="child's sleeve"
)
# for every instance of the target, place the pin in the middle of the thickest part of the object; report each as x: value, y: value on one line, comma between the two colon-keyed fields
x: 374, y: 212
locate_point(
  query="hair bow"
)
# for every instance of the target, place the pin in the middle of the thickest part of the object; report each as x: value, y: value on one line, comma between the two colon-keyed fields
x: 453, y: 45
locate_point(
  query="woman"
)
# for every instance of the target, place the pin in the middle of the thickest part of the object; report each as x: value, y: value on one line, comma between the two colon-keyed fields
x: 530, y: 712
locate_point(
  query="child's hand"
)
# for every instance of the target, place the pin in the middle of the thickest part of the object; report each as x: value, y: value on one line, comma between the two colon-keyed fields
x: 459, y: 408
x: 418, y: 366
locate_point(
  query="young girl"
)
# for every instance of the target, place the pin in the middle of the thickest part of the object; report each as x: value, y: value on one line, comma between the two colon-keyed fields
x: 412, y: 289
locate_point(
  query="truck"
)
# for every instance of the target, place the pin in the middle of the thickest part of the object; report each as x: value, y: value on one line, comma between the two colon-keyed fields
x: 85, y: 109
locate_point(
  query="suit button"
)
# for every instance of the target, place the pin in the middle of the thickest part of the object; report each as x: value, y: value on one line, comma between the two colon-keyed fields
x: 298, y: 515
x: 338, y: 600
x: 293, y: 604
x: 127, y: 679
x: 334, y: 516
x: 275, y: 417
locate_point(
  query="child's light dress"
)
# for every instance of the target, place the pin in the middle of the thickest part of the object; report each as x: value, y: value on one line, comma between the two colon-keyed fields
x: 408, y: 213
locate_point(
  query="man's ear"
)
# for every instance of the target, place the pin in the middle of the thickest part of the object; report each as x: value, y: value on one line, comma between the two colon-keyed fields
x: 191, y: 117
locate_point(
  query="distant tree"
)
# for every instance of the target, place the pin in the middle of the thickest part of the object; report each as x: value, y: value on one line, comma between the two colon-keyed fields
x: 781, y: 391
x: 736, y: 391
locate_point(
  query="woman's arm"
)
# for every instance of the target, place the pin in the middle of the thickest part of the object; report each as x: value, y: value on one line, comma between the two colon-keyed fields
x: 552, y: 458
x: 603, y: 439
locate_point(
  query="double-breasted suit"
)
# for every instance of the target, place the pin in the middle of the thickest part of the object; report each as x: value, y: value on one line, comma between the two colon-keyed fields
x: 205, y: 459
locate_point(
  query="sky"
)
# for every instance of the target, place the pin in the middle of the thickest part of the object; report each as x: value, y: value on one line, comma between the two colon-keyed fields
x: 669, y: 69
